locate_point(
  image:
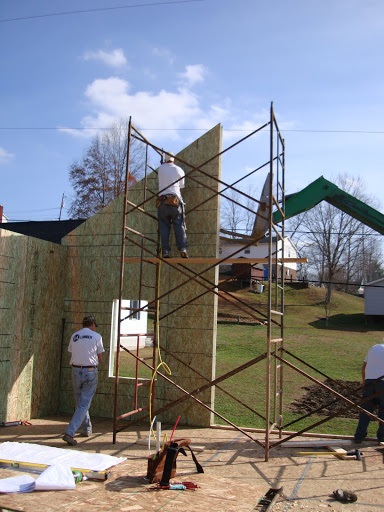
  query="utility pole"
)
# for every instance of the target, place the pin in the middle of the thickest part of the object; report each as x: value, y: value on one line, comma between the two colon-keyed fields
x: 61, y: 206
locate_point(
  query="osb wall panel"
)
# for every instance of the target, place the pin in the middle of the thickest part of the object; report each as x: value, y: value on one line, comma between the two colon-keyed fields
x: 188, y: 313
x: 92, y: 284
x: 44, y: 302
x: 9, y: 328
x: 94, y: 255
x: 93, y: 272
x: 31, y: 326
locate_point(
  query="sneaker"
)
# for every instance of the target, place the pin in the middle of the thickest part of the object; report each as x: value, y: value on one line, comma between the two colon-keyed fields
x: 69, y: 440
x: 184, y: 253
x: 166, y: 255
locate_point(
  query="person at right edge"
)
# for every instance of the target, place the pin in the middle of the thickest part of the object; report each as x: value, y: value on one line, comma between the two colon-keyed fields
x: 86, y: 348
x: 372, y: 373
x: 170, y: 205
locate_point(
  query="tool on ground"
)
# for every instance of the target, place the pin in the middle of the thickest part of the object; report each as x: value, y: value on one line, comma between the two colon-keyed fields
x: 175, y: 486
x: 39, y: 468
x: 268, y: 500
x: 14, y: 423
x: 161, y: 466
x: 353, y: 455
x: 356, y: 453
x: 344, y: 496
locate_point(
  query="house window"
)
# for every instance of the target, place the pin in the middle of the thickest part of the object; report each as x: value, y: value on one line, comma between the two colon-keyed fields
x: 247, y: 251
x: 132, y: 324
x: 134, y: 315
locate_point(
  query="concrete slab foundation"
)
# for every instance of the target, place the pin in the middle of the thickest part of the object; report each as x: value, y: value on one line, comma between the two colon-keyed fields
x: 235, y: 478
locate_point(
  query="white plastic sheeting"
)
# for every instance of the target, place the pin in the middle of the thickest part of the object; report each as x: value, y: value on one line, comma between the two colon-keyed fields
x: 57, y: 477
x: 39, y: 454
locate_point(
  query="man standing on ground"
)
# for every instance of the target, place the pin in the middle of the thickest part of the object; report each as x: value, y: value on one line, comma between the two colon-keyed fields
x: 171, y: 207
x: 372, y: 373
x: 86, y: 348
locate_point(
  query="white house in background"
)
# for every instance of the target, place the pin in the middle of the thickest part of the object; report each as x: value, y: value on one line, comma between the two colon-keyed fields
x: 133, y: 325
x: 374, y: 298
x: 229, y: 246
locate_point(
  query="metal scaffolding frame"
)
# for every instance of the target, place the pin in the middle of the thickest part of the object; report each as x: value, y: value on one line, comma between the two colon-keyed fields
x: 272, y: 199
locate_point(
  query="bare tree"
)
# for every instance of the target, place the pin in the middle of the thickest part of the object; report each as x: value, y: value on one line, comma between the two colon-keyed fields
x: 366, y: 263
x: 99, y: 177
x: 334, y: 241
x: 232, y: 214
x: 251, y: 208
x: 238, y: 210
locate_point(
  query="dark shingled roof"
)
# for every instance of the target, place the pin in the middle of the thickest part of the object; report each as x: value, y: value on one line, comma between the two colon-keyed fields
x: 50, y: 230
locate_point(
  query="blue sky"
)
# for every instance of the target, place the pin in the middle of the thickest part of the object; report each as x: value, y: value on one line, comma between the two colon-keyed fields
x: 179, y: 68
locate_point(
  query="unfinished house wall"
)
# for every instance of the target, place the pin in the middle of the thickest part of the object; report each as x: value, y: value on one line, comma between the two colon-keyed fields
x: 92, y: 284
x: 47, y: 289
x: 94, y: 251
x: 31, y: 301
x: 188, y: 315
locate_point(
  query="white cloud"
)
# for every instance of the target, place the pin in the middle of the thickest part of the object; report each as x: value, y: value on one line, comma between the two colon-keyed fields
x: 108, y: 92
x: 5, y: 156
x: 165, y: 109
x: 114, y: 58
x: 171, y: 111
x: 193, y: 74
x: 110, y: 99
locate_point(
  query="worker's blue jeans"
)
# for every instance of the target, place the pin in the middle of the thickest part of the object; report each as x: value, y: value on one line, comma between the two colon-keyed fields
x: 371, y: 386
x: 84, y: 382
x: 168, y: 215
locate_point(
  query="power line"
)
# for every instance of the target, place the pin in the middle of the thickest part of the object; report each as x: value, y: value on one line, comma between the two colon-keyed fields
x: 333, y: 233
x: 342, y: 283
x: 29, y: 211
x: 332, y: 131
x: 240, y: 130
x: 240, y: 232
x: 66, y: 13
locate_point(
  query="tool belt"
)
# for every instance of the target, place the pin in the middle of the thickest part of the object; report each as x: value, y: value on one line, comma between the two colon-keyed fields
x: 170, y: 200
x: 162, y: 465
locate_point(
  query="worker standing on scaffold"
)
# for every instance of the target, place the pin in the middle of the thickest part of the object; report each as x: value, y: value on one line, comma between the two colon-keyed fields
x: 170, y: 207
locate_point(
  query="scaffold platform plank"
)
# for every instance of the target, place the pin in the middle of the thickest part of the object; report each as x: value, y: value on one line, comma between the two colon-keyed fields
x: 215, y: 261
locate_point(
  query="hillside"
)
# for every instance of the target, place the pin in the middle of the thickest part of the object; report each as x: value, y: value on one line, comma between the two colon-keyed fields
x: 330, y: 353
x: 308, y: 302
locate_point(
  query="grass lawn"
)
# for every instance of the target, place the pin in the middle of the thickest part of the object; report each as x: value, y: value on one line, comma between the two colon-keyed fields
x: 336, y: 350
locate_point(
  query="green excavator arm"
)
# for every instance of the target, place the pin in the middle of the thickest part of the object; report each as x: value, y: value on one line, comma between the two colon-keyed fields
x: 323, y: 190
